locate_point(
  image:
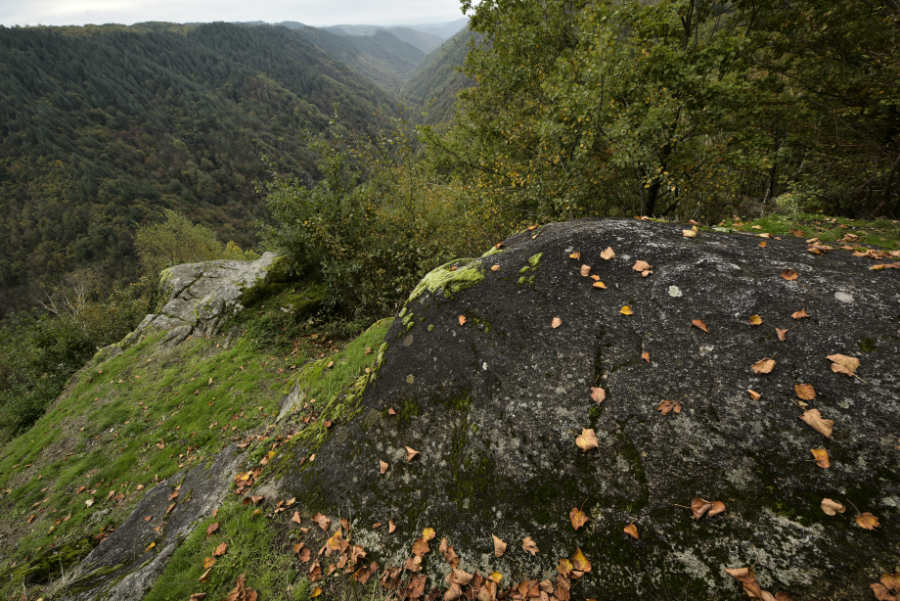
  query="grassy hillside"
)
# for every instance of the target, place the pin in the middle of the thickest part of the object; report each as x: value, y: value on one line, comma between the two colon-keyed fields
x: 128, y: 422
x: 101, y: 127
x: 435, y: 83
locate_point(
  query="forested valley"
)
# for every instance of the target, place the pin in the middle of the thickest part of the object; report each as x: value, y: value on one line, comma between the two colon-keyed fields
x: 369, y: 159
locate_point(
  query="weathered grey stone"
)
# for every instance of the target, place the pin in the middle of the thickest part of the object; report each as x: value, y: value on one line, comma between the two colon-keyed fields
x: 121, y: 568
x: 201, y: 295
x: 494, y: 407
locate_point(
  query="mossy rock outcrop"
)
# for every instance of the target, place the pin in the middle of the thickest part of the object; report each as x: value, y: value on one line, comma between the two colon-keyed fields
x: 492, y: 391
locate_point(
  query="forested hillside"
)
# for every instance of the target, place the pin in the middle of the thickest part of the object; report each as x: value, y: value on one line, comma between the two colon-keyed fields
x: 433, y: 86
x: 102, y: 127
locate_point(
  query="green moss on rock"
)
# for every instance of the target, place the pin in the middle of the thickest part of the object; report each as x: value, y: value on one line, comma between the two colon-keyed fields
x: 468, y: 273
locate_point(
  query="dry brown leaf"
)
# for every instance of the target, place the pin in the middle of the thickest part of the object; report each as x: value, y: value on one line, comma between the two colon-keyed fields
x: 717, y: 508
x: 598, y: 394
x: 296, y: 517
x: 641, y: 266
x: 608, y: 253
x: 626, y: 310
x: 411, y: 454
x: 831, y: 507
x: 599, y: 284
x: 585, y: 271
x: 805, y: 392
x: 324, y: 522
x: 204, y: 575
x: 781, y: 333
x: 461, y: 319
x: 631, y: 530
x: 564, y: 567
x: 578, y: 518
x: 495, y: 267
x: 697, y: 323
x: 208, y: 562
x: 753, y: 394
x: 529, y: 545
x: 391, y: 526
x: 587, y: 440
x: 555, y: 322
x: 756, y: 320
x: 240, y: 592
x: 817, y: 422
x: 212, y: 528
x: 801, y: 314
x: 763, y: 244
x: 382, y: 466
x: 821, y: 457
x: 843, y: 364
x: 699, y: 507
x: 666, y: 406
x: 763, y: 366
x: 499, y: 546
x: 689, y: 233
x: 420, y: 547
x: 881, y: 266
x: 221, y: 550
x: 460, y: 577
x: 881, y: 592
x: 645, y: 356
x: 790, y: 274
x: 867, y: 521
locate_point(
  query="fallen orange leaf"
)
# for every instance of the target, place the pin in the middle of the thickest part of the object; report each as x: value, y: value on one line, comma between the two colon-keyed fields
x: 689, y: 233
x: 578, y: 518
x: 645, y: 356
x: 607, y: 254
x: 221, y: 550
x: 599, y: 284
x: 555, y: 322
x: 212, y: 528
x: 411, y: 454
x: 598, y: 394
x: 790, y: 274
x: 640, y: 265
x: 495, y: 267
x: 382, y: 466
x: 585, y: 271
x: 626, y: 310
x: 821, y: 457
x: 753, y: 394
x: 323, y: 521
x: 580, y: 562
x: 499, y: 546
x: 763, y: 366
x: 529, y: 545
x: 296, y: 517
x: 867, y: 521
x: 666, y: 406
x: 756, y: 320
x: 781, y: 333
x: 391, y: 526
x: 801, y: 314
x: 575, y: 255
x: 461, y: 319
x: 631, y: 530
x: 805, y: 392
x: 697, y: 323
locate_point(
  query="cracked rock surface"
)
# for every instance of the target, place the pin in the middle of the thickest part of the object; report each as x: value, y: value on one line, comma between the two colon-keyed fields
x: 201, y: 295
x: 494, y: 407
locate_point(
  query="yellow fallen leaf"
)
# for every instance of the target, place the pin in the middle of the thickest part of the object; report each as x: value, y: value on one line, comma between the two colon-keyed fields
x: 626, y: 310
x: 867, y: 521
x: 575, y: 255
x: 689, y: 233
x: 790, y: 274
x: 208, y: 562
x: 821, y: 457
x: 316, y: 592
x: 150, y: 547
x: 587, y: 440
x: 599, y: 284
x: 461, y: 319
x: 756, y: 320
x: 495, y: 577
x: 580, y: 562
x: 428, y: 534
x: 631, y: 530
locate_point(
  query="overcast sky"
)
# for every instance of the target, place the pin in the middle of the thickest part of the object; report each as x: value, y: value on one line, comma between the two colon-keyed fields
x: 311, y: 12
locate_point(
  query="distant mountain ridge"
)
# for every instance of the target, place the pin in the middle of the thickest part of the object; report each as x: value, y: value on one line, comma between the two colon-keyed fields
x: 433, y: 86
x: 103, y: 126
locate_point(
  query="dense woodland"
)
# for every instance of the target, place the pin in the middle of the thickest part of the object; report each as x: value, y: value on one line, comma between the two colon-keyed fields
x: 311, y: 142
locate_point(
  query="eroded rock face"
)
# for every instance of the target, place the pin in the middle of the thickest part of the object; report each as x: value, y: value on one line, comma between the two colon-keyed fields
x: 201, y: 295
x: 494, y: 407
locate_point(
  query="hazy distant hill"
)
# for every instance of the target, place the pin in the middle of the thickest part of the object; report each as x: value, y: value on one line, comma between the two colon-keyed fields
x: 424, y: 41
x: 101, y: 127
x: 379, y: 55
x: 445, y: 31
x: 435, y: 83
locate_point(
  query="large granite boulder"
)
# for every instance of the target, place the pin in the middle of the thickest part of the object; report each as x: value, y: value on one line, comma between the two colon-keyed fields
x: 494, y: 372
